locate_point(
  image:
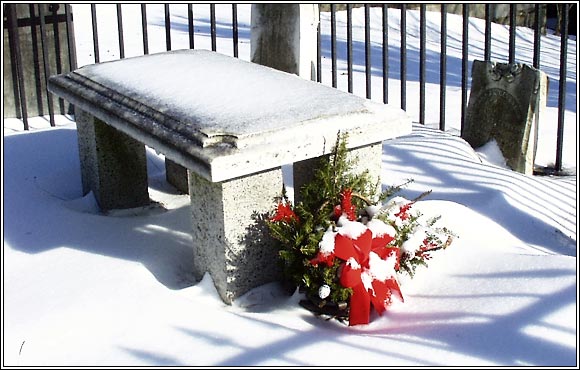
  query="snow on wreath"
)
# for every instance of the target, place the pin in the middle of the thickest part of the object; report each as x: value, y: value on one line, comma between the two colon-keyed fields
x: 345, y: 242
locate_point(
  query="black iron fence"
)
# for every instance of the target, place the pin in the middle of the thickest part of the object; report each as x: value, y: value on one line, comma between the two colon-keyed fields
x: 51, y: 46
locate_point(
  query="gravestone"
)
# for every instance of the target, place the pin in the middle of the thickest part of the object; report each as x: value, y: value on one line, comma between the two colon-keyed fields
x: 29, y: 39
x: 505, y: 105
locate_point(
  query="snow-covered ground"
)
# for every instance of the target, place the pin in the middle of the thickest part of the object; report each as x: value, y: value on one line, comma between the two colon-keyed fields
x: 84, y: 289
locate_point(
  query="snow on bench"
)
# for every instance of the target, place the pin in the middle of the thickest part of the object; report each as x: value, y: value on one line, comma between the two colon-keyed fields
x: 230, y: 125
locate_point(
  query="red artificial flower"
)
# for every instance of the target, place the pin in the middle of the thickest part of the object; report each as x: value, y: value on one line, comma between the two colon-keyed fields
x: 346, y: 207
x: 337, y: 211
x: 402, y: 214
x: 326, y: 249
x: 428, y: 246
x: 323, y: 258
x: 356, y: 253
x: 284, y: 213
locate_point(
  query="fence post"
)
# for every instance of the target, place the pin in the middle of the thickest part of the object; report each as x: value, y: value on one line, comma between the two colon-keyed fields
x: 283, y: 36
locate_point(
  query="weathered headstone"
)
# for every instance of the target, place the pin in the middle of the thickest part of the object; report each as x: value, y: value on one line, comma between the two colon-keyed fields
x: 31, y: 56
x: 505, y: 105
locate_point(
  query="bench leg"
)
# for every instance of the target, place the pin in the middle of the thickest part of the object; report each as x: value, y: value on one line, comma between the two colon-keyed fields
x: 230, y: 235
x: 176, y: 175
x: 369, y: 158
x: 113, y: 165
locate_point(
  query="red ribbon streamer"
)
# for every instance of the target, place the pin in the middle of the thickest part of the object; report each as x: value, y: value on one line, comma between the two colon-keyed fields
x: 359, y: 249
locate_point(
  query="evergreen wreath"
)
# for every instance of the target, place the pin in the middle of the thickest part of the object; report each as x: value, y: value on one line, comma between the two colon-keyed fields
x: 345, y: 243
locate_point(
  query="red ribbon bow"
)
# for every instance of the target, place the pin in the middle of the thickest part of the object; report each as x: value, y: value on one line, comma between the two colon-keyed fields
x: 357, y: 254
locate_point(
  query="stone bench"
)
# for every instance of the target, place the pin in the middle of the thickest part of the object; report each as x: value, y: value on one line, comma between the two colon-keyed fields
x: 229, y: 125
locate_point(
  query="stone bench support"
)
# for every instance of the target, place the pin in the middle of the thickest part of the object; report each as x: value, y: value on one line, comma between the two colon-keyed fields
x: 225, y: 127
x: 113, y: 164
x: 230, y: 237
x: 176, y: 175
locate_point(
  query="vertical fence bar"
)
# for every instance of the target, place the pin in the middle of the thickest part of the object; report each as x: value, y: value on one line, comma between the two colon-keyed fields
x: 36, y: 60
x: 45, y: 59
x: 212, y: 27
x: 95, y: 32
x: 385, y: 54
x: 349, y: 45
x: 120, y: 32
x: 318, y: 76
x: 16, y: 61
x: 235, y: 28
x: 333, y: 43
x: 443, y: 68
x: 167, y: 27
x: 512, y: 42
x: 55, y: 28
x: 487, y: 42
x: 190, y: 29
x: 12, y: 24
x: 537, y: 33
x: 72, y: 51
x: 464, y: 65
x: 53, y: 9
x: 422, y: 60
x: 562, y: 85
x: 404, y: 57
x: 144, y: 29
x: 367, y: 51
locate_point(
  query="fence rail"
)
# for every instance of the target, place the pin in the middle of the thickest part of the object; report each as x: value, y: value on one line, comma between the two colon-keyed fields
x: 40, y: 17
